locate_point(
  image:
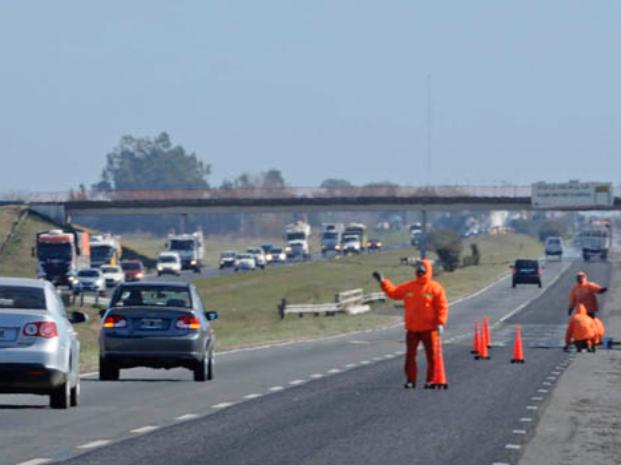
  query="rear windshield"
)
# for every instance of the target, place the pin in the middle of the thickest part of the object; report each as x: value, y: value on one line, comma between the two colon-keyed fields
x: 152, y: 296
x: 110, y: 269
x: 18, y: 297
x: 131, y: 266
x: 88, y: 273
x: 526, y: 264
x: 168, y: 259
x: 554, y: 241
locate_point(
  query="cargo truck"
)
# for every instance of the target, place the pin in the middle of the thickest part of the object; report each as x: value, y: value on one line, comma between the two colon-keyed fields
x: 297, y: 236
x: 60, y: 254
x: 105, y: 250
x: 190, y: 248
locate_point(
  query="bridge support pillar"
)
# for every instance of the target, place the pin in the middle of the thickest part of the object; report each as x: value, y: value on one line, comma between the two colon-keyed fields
x: 183, y: 223
x: 423, y: 240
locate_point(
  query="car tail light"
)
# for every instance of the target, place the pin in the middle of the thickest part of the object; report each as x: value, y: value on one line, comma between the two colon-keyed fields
x: 115, y: 321
x: 46, y: 329
x: 188, y: 322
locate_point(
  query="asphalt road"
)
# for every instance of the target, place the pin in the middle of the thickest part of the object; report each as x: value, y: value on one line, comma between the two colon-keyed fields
x: 334, y: 400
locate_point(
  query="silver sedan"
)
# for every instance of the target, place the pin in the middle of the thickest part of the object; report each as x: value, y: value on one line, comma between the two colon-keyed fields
x: 156, y: 325
x: 39, y: 350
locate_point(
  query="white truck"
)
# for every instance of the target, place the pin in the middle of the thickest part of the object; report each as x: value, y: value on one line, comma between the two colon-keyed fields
x: 297, y: 236
x: 105, y: 250
x: 595, y: 241
x: 190, y: 248
x: 416, y: 234
x: 331, y: 237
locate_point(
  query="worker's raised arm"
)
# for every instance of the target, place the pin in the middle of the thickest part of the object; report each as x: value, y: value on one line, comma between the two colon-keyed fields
x: 394, y: 292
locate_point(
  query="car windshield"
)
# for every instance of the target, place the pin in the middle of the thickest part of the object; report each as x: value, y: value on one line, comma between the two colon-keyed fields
x: 101, y: 251
x: 255, y: 251
x: 152, y: 296
x: 292, y: 236
x: 54, y: 251
x: 110, y: 269
x: 168, y: 259
x: 276, y: 250
x: 22, y: 298
x: 88, y: 273
x: 130, y: 266
x: 329, y: 235
x: 228, y: 255
x: 245, y: 256
x: 554, y: 241
x: 350, y: 239
x: 181, y: 244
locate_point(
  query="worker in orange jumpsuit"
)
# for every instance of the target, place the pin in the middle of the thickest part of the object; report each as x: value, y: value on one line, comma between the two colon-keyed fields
x: 584, y: 292
x: 580, y: 331
x: 425, y: 314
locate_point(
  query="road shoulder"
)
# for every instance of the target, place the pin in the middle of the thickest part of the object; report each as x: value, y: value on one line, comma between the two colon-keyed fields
x: 582, y: 423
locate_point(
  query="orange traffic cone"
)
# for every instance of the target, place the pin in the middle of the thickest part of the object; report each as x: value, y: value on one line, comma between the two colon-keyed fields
x: 439, y: 375
x: 518, y: 349
x: 475, y: 343
x: 488, y: 340
x: 483, y: 353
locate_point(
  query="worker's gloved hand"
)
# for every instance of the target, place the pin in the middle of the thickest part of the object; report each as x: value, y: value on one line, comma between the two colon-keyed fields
x: 602, y: 290
x: 440, y: 330
x: 378, y: 276
x: 569, y: 310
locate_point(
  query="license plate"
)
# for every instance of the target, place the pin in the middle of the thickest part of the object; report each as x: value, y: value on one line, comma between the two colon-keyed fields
x: 151, y: 323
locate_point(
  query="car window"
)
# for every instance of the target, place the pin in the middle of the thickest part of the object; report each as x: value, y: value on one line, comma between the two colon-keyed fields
x: 88, y: 273
x: 152, y: 296
x: 527, y: 264
x: 22, y: 298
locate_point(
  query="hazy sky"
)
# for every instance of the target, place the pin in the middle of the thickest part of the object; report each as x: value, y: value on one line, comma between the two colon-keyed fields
x: 521, y: 90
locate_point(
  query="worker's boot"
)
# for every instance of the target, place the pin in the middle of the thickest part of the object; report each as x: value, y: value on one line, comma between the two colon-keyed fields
x: 409, y: 385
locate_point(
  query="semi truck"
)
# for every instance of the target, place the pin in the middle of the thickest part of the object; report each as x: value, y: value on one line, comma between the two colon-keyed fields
x: 105, y: 250
x: 331, y: 237
x: 60, y: 254
x: 416, y: 234
x: 190, y: 247
x: 359, y: 230
x: 297, y: 236
x: 595, y: 240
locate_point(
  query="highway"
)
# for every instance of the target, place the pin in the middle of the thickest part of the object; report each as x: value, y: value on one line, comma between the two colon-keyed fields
x: 334, y: 400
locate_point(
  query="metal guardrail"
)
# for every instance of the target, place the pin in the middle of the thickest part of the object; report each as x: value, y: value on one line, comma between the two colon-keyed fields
x: 353, y: 302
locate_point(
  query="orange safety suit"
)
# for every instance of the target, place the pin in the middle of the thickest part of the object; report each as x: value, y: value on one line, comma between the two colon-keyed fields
x: 600, y: 330
x: 580, y: 329
x: 585, y: 294
x: 425, y: 307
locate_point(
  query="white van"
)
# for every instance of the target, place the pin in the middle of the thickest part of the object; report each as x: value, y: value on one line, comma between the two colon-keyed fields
x: 169, y: 262
x: 554, y: 247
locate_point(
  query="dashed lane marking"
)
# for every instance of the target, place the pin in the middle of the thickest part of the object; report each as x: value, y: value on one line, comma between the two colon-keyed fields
x: 316, y: 375
x: 365, y: 362
x: 252, y: 396
x: 526, y: 420
x: 35, y: 462
x: 275, y: 388
x: 351, y: 365
x: 513, y: 446
x: 531, y: 407
x: 186, y: 417
x: 519, y: 431
x: 295, y: 382
x: 93, y: 444
x: 545, y: 383
x: 556, y: 373
x: 222, y: 405
x: 543, y: 391
x: 551, y: 378
x: 536, y: 398
x: 334, y: 370
x: 144, y: 429
x: 500, y: 463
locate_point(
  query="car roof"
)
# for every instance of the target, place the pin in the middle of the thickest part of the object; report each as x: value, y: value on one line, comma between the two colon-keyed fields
x: 24, y: 282
x: 157, y: 283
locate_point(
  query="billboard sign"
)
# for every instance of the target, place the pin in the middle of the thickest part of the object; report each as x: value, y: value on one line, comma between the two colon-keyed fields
x: 572, y: 195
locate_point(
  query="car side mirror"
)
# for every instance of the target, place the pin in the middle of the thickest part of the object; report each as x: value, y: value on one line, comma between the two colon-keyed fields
x: 78, y: 317
x: 211, y: 315
x: 102, y: 312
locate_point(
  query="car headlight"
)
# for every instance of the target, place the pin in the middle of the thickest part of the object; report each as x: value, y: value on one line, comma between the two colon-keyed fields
x: 160, y: 267
x: 337, y: 247
x: 268, y: 256
x: 288, y: 249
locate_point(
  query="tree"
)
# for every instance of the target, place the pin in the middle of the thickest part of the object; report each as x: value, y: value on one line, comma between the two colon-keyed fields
x: 146, y: 163
x: 335, y: 183
x: 270, y: 179
x: 447, y: 244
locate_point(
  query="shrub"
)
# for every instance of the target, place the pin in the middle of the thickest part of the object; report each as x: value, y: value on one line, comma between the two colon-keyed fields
x: 448, y: 246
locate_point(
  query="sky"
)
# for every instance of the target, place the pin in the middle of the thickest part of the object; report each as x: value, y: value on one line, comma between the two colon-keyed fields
x: 520, y: 91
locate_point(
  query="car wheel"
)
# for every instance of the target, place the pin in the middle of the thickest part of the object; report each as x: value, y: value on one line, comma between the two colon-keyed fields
x: 539, y: 283
x: 75, y: 394
x: 513, y: 284
x: 210, y: 369
x: 108, y: 371
x: 60, y: 397
x: 200, y: 370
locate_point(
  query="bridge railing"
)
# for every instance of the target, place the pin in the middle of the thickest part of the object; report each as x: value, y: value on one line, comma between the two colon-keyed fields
x: 277, y: 193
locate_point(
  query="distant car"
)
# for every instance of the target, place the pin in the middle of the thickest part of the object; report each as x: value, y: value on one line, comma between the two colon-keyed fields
x: 267, y: 250
x: 554, y: 246
x: 39, y: 349
x: 156, y: 325
x: 351, y: 244
x: 526, y: 272
x: 169, y: 263
x: 278, y: 255
x: 133, y: 269
x: 113, y: 275
x: 245, y: 261
x: 227, y: 259
x: 375, y: 244
x: 259, y: 256
x: 90, y: 280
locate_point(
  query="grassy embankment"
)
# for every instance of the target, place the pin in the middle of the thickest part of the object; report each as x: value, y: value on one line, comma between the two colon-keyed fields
x: 247, y: 302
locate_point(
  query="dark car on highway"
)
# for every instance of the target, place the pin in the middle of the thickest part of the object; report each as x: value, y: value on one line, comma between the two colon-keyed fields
x: 526, y: 272
x: 375, y: 244
x: 156, y: 325
x: 133, y: 269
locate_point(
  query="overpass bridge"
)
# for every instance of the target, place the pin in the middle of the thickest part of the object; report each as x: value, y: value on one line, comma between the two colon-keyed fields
x: 61, y: 206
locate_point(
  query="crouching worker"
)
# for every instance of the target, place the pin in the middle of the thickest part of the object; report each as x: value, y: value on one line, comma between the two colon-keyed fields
x: 425, y: 314
x: 580, y: 331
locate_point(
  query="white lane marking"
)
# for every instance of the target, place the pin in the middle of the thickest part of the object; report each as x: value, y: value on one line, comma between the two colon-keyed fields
x: 35, y: 462
x: 526, y: 420
x: 89, y: 374
x: 186, y: 417
x: 389, y: 356
x: 295, y: 382
x: 253, y: 396
x: 500, y: 463
x: 356, y: 341
x: 556, y: 373
x: 351, y: 365
x: 144, y: 429
x: 275, y: 388
x: 364, y: 362
x: 519, y: 431
x: 334, y: 370
x: 536, y: 398
x: 545, y: 383
x: 513, y: 446
x: 531, y: 407
x: 316, y: 375
x: 542, y: 390
x: 223, y: 405
x: 93, y: 444
x: 551, y: 378
x: 376, y: 359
